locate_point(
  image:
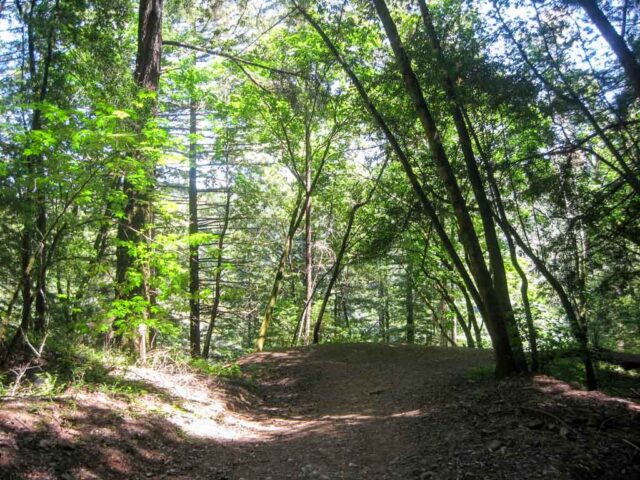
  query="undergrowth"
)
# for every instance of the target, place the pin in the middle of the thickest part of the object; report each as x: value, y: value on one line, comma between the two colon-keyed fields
x: 224, y: 370
x: 612, y: 379
x: 94, y: 369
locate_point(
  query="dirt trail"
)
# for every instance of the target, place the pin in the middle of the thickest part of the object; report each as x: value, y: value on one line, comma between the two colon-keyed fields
x: 329, y: 412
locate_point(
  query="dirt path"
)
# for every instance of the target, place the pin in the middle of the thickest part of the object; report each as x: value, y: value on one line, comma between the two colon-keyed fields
x: 330, y: 412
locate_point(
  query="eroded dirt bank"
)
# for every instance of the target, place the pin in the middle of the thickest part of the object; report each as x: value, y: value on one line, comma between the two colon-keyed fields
x: 329, y: 412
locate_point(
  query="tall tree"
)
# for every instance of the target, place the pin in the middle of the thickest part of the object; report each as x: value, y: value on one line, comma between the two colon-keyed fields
x: 505, y: 363
x: 194, y: 261
x: 494, y: 301
x: 134, y: 233
x: 479, y: 190
x: 627, y: 59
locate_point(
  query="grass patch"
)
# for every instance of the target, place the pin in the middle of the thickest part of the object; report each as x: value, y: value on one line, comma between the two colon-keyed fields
x: 227, y: 370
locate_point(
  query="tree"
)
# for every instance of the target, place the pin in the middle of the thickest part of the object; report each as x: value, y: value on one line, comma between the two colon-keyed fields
x: 134, y: 234
x: 616, y: 41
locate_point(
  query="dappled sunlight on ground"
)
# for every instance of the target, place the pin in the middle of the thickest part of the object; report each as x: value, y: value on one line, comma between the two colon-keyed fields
x: 330, y: 412
x: 553, y: 386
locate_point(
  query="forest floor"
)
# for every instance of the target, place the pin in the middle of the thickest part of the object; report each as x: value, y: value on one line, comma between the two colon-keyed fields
x: 360, y: 411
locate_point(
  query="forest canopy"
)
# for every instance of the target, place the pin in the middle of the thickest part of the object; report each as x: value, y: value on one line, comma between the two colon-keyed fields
x: 221, y: 176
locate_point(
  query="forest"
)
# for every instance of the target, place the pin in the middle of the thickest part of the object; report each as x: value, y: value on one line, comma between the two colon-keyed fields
x: 184, y: 183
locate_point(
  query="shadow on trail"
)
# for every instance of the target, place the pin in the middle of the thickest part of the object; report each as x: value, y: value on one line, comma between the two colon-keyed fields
x: 332, y: 412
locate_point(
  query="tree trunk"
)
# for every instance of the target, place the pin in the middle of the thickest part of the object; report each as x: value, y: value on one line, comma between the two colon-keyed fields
x: 194, y: 261
x: 382, y: 307
x: 491, y: 238
x: 217, y: 290
x: 41, y: 282
x: 410, y: 305
x: 449, y: 300
x: 300, y: 211
x: 308, y: 244
x: 575, y: 324
x: 387, y: 318
x: 524, y: 294
x: 436, y: 321
x: 35, y: 197
x: 579, y: 249
x: 27, y: 299
x: 337, y: 266
x: 471, y: 315
x: 37, y: 165
x: 345, y: 312
x: 132, y: 229
x: 296, y: 218
x: 524, y: 282
x: 505, y: 364
x: 459, y: 319
x: 496, y: 316
x: 615, y: 40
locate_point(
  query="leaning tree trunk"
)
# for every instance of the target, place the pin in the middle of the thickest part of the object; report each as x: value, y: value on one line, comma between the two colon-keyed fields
x: 504, y: 358
x: 524, y: 282
x: 296, y: 218
x: 497, y: 317
x: 298, y: 214
x: 471, y: 314
x: 575, y: 322
x: 491, y: 238
x: 337, y: 267
x: 449, y: 300
x: 615, y: 40
x: 437, y: 322
x: 459, y: 317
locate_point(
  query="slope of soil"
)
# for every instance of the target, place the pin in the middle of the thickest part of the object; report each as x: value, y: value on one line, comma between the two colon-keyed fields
x: 327, y: 412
